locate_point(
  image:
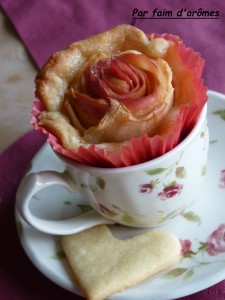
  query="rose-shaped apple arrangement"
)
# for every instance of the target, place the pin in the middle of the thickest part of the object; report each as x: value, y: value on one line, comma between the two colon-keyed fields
x: 119, y: 98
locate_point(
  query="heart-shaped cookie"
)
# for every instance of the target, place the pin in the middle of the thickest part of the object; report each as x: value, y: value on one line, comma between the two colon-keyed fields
x: 104, y: 265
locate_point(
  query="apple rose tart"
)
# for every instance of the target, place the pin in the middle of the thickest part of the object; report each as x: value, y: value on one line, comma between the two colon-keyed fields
x: 119, y: 98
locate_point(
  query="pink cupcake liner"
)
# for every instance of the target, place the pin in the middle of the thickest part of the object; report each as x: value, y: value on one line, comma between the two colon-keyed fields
x: 140, y: 149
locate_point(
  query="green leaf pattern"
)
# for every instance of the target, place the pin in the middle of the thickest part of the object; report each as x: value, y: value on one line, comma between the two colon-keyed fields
x: 181, y: 172
x: 29, y: 168
x: 203, y: 170
x: 19, y: 226
x: 175, y: 273
x: 94, y: 187
x: 156, y: 171
x: 100, y: 182
x: 67, y: 202
x: 127, y: 219
x: 220, y: 113
x: 192, y: 217
x: 84, y: 208
x: 188, y: 274
x: 59, y: 255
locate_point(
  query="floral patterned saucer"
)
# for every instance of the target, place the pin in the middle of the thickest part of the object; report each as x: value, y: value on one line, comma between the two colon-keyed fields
x: 201, y: 228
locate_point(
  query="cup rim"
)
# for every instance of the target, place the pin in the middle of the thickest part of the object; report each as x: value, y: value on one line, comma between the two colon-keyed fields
x: 151, y: 163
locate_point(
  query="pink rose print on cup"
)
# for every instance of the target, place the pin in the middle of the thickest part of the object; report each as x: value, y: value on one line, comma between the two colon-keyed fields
x: 146, y: 188
x: 222, y: 179
x: 215, y: 243
x: 170, y: 191
x: 105, y: 210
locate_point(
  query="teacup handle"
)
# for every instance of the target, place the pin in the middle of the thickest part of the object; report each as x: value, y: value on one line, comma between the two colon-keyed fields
x: 35, y: 182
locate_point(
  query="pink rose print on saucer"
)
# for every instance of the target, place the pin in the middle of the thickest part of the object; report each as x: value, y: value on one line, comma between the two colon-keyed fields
x: 215, y: 243
x: 186, y: 248
x: 222, y: 179
x: 170, y: 191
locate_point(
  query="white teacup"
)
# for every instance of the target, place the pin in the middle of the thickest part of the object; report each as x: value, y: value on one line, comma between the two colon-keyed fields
x: 144, y: 195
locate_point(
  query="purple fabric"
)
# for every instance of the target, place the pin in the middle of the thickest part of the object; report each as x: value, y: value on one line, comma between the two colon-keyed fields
x: 47, y: 26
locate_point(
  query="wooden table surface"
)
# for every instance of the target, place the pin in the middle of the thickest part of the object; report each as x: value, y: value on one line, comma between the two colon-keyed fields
x: 17, y: 73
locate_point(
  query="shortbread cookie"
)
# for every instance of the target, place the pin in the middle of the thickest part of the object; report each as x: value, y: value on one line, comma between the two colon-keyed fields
x: 104, y: 265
